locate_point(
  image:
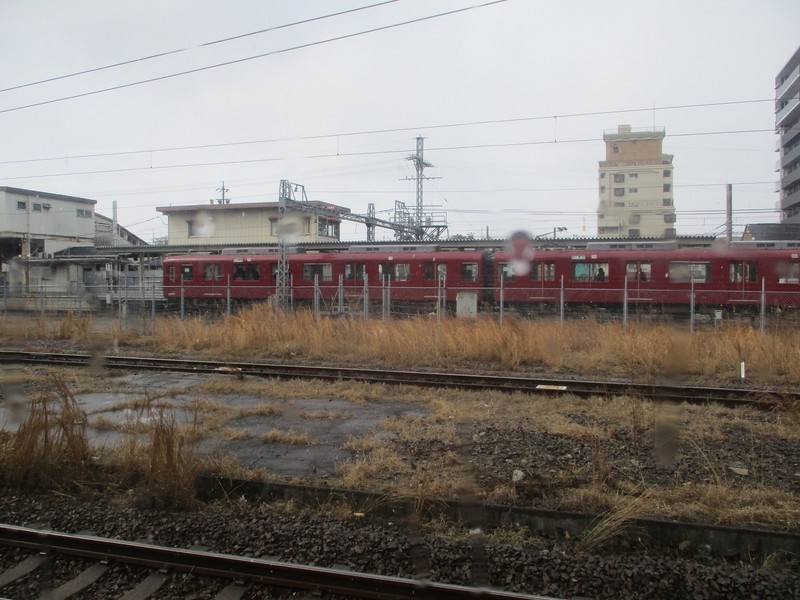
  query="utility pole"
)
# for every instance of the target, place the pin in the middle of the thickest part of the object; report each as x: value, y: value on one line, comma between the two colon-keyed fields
x: 430, y: 227
x: 223, y: 199
x: 419, y: 164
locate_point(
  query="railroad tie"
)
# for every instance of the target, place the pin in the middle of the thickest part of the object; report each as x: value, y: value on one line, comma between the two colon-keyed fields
x: 147, y: 587
x: 73, y: 586
x: 233, y: 592
x: 26, y: 566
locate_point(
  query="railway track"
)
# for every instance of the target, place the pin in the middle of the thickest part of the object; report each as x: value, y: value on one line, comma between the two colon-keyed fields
x: 759, y: 398
x: 239, y: 573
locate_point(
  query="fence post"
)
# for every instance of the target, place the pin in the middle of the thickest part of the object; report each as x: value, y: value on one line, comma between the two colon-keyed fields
x: 691, y: 309
x: 316, y: 295
x: 366, y: 296
x: 228, y: 296
x: 763, y: 324
x: 625, y: 302
x: 183, y: 311
x: 502, y: 294
x: 561, y: 300
x: 153, y: 295
x: 341, y: 293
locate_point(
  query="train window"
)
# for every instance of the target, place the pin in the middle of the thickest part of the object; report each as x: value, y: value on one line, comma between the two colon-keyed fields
x: 469, y: 271
x: 402, y: 271
x: 506, y: 272
x: 582, y: 271
x: 683, y: 272
x: 543, y: 271
x: 354, y: 271
x: 742, y: 272
x: 788, y: 272
x: 171, y: 273
x: 246, y: 273
x: 212, y: 271
x: 323, y: 271
x: 638, y: 271
x: 428, y: 271
x: 187, y: 272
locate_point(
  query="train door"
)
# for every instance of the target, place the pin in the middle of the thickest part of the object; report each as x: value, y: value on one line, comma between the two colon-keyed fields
x: 741, y: 273
x: 637, y: 272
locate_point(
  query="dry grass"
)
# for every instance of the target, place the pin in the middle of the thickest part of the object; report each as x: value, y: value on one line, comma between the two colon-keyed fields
x: 643, y: 351
x: 51, y: 447
x: 285, y: 436
x: 613, y: 523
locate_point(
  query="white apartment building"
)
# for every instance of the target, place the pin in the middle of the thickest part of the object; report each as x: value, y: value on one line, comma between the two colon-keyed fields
x: 635, y: 186
x: 787, y: 126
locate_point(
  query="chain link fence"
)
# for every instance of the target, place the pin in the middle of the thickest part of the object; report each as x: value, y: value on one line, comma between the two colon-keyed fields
x: 134, y: 300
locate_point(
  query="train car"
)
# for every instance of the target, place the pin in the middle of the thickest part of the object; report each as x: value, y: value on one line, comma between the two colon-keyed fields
x: 411, y: 277
x: 661, y: 280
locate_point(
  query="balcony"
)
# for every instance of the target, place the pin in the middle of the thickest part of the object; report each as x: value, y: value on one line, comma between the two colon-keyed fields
x: 788, y: 113
x: 790, y: 85
x: 790, y: 200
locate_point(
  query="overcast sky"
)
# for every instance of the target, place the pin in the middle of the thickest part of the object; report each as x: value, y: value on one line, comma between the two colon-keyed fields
x: 512, y: 99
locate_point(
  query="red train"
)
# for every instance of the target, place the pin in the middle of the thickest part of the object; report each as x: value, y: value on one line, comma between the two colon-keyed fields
x: 659, y: 279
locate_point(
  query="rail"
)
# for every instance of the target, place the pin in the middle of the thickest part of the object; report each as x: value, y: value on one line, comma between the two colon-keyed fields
x: 285, y: 575
x: 734, y: 396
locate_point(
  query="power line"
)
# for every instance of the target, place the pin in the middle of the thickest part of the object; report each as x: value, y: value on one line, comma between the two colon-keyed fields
x: 363, y: 153
x: 178, y: 51
x: 249, y: 58
x: 400, y: 130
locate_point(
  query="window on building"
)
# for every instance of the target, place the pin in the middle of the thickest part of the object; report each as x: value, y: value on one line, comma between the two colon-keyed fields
x: 634, y: 233
x: 615, y: 147
x: 586, y: 271
x: 633, y: 190
x: 22, y: 205
x: 638, y: 271
x: 324, y: 271
x: 602, y: 188
x: 37, y: 207
x: 667, y: 187
x: 212, y: 271
x: 667, y: 173
x: 354, y: 271
x: 247, y: 272
x: 670, y: 232
x: 543, y: 271
x: 84, y: 213
x: 619, y: 177
x: 469, y: 271
x: 602, y: 175
x: 684, y: 272
x: 633, y: 176
x: 601, y: 216
x: 667, y: 201
x: 619, y: 191
x: 669, y: 218
x: 273, y: 227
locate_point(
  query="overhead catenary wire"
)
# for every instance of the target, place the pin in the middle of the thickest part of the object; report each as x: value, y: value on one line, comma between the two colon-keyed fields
x: 254, y: 57
x: 404, y: 129
x: 203, y: 45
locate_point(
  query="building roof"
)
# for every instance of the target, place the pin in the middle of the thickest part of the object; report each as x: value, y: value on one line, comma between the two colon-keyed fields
x: 772, y: 231
x: 247, y: 205
x: 22, y: 192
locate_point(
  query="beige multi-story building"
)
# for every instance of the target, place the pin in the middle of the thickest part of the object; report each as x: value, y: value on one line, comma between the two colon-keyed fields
x: 635, y: 186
